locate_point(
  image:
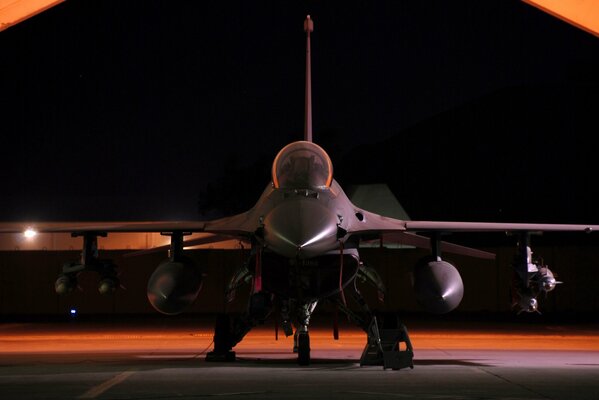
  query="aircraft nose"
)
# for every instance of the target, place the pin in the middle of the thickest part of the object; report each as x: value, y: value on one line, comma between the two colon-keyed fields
x: 301, y: 227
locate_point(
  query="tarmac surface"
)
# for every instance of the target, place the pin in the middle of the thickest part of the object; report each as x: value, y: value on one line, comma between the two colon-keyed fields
x: 163, y: 358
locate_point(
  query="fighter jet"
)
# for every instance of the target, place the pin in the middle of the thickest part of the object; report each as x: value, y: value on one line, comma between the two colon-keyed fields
x: 305, y: 236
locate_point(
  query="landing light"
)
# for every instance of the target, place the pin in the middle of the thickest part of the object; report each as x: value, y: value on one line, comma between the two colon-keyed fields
x: 73, y: 312
x: 30, y: 233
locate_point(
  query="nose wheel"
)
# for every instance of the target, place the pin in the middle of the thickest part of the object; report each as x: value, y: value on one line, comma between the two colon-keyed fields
x: 301, y: 344
x: 303, y: 348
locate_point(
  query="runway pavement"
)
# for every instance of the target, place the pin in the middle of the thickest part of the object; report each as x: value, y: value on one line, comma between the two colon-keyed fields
x: 163, y: 358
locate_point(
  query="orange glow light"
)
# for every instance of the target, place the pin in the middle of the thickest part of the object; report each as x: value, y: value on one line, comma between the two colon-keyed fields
x: 94, y: 339
x: 14, y: 11
x: 583, y: 14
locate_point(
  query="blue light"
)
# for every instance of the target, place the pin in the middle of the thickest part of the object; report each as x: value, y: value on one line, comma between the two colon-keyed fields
x: 73, y: 312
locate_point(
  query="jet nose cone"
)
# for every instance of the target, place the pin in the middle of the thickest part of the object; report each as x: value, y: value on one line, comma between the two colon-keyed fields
x: 301, y: 227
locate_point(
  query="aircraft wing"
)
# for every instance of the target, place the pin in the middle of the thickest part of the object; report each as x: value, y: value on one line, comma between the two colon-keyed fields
x: 374, y: 223
x: 424, y: 242
x: 103, y: 226
x: 444, y: 226
x: 237, y: 227
x: 190, y: 243
x: 240, y: 225
x: 392, y: 230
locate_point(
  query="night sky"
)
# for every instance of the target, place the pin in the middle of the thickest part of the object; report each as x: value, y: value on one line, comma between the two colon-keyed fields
x: 473, y: 110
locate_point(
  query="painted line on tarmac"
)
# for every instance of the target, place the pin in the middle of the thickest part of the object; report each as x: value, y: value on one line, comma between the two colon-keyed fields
x: 104, y: 386
x: 411, y: 396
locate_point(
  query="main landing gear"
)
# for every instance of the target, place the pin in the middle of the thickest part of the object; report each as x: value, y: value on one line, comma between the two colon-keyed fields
x: 229, y: 331
x: 384, y: 345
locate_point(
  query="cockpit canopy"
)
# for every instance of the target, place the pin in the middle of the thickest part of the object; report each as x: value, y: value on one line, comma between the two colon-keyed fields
x: 302, y: 165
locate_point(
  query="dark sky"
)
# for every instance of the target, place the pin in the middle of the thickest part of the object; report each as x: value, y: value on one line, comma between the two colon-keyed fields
x: 126, y: 109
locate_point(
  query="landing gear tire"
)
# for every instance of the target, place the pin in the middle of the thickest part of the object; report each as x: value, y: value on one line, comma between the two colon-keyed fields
x: 222, y: 340
x: 222, y: 332
x: 303, y: 349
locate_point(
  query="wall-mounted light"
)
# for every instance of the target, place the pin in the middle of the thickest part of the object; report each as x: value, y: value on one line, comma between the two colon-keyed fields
x: 30, y: 233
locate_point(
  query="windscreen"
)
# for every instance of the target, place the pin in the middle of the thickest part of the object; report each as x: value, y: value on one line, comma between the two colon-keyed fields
x: 302, y: 165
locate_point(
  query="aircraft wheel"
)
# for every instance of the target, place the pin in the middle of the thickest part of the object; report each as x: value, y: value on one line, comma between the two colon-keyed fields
x: 222, y: 332
x: 222, y: 341
x: 303, y: 349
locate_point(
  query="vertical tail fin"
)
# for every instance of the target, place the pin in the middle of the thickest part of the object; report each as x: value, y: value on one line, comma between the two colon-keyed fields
x: 308, y: 27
